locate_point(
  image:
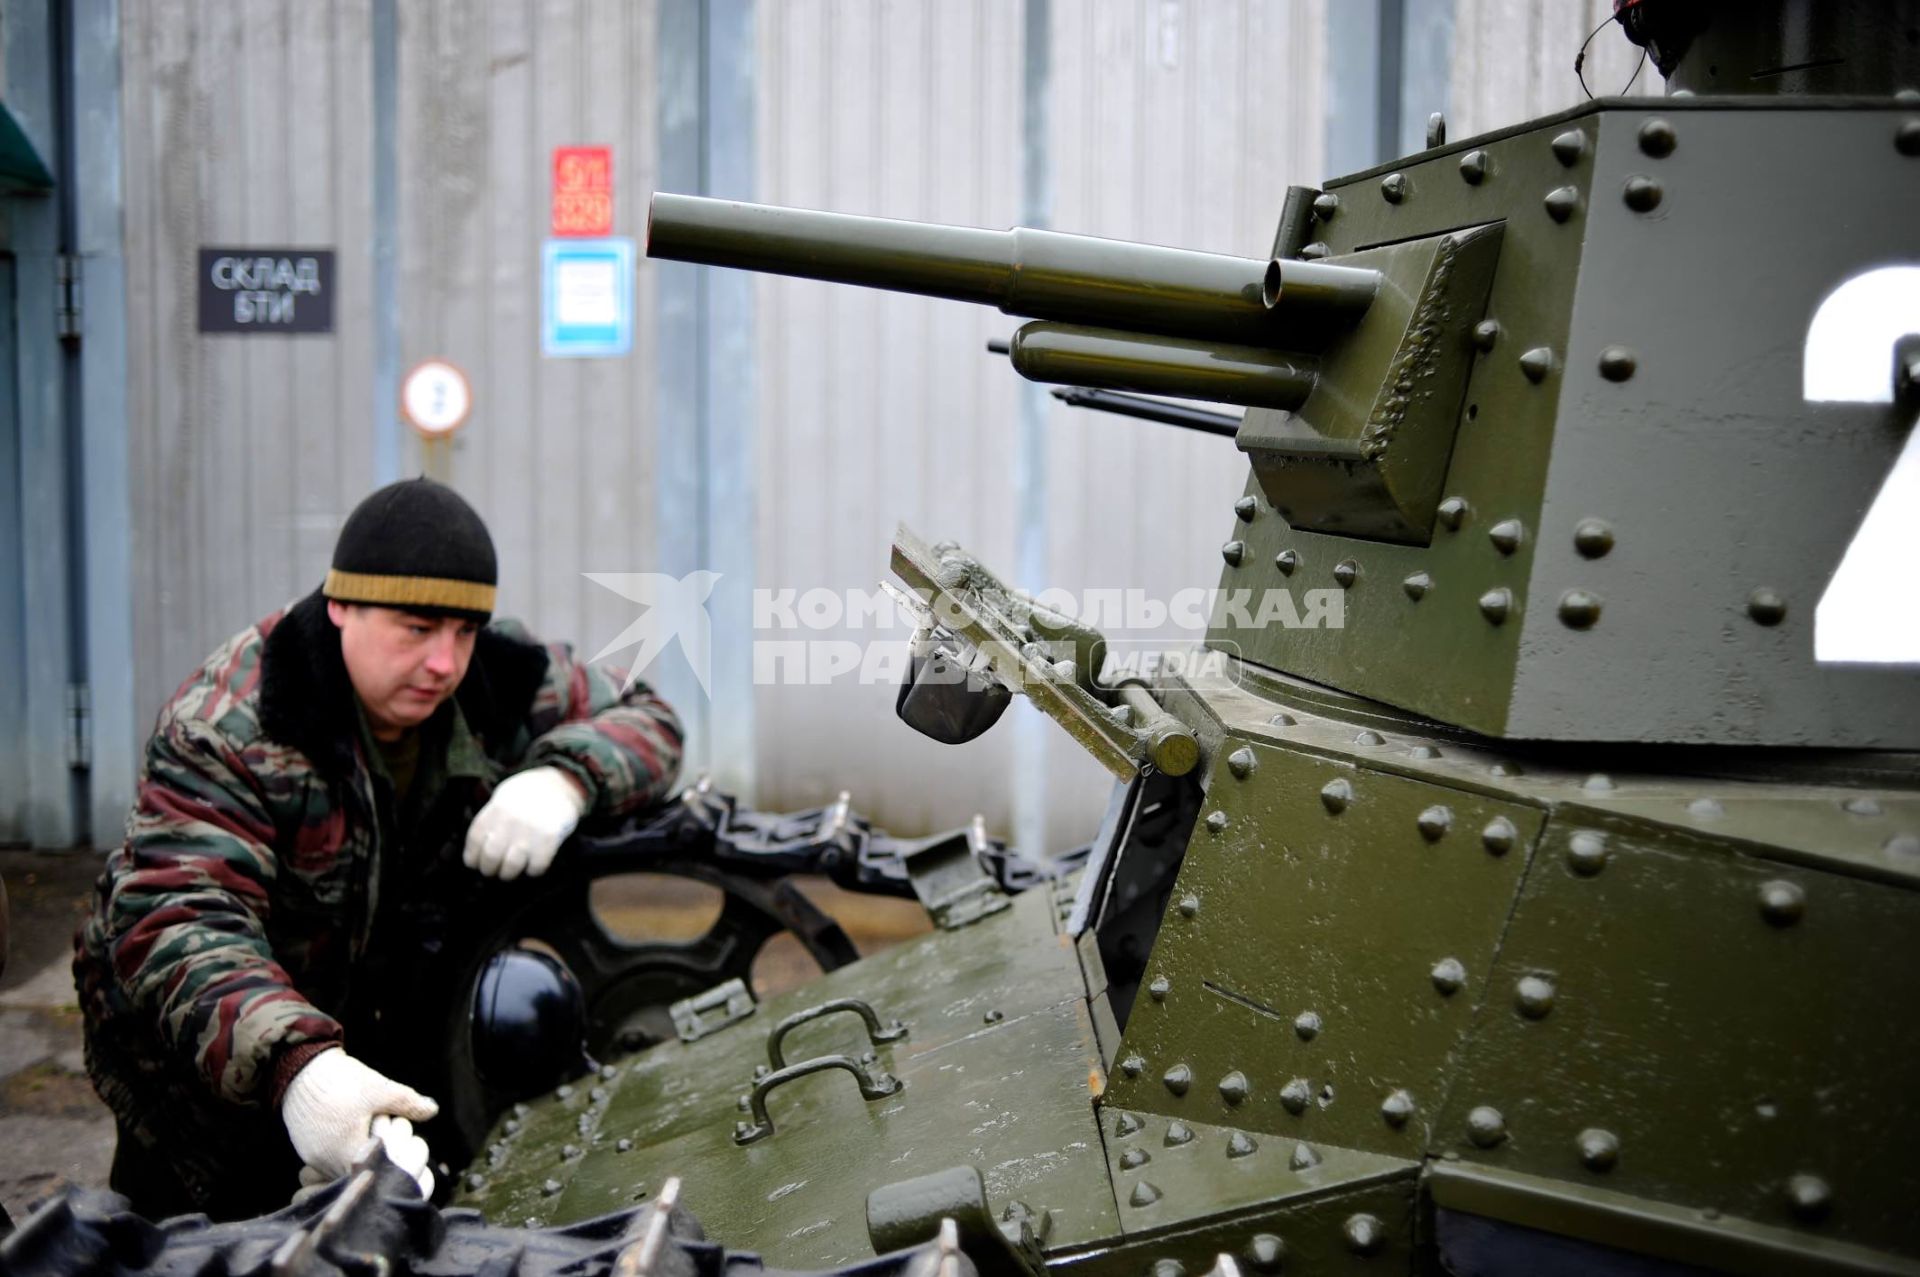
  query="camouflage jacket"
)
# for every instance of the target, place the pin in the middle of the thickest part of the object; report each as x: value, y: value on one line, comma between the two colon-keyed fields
x: 227, y: 932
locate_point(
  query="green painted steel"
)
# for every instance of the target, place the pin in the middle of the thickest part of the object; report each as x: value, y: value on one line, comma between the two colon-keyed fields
x: 1074, y: 355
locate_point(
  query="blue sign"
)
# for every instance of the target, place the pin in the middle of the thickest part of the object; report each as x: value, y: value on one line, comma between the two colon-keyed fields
x: 587, y: 297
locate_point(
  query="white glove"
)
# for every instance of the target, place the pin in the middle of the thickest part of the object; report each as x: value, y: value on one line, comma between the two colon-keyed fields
x: 336, y: 1103
x: 524, y: 823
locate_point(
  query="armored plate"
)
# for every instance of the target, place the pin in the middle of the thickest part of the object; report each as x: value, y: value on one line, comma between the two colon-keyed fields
x: 1660, y: 265
x: 998, y: 1068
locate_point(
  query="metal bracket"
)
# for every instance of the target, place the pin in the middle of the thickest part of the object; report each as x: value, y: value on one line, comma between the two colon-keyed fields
x: 948, y: 879
x: 707, y: 1013
x: 912, y: 1212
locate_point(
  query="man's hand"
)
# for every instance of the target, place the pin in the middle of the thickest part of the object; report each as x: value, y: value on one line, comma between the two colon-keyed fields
x: 524, y: 823
x: 336, y: 1103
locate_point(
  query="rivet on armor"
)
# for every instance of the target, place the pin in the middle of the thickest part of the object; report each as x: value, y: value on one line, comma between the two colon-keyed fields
x: 1397, y: 1108
x: 1705, y: 809
x: 1809, y: 1196
x: 1417, y: 586
x: 565, y: 1092
x: 1906, y: 138
x: 1617, y: 363
x: 1485, y: 333
x: 1598, y: 783
x: 1265, y: 1253
x: 1133, y: 1159
x: 1178, y: 1133
x: 1767, y: 606
x: 513, y: 1126
x: 1166, y: 1267
x: 1860, y: 807
x: 1423, y: 751
x: 521, y: 1110
x: 1367, y: 736
x: 1782, y: 903
x: 608, y: 1072
x: 1485, y: 1126
x: 1177, y: 1079
x: 1599, y: 1149
x: 1592, y: 538
x: 1286, y: 561
x: 1495, y: 604
x: 623, y: 1145
x: 1304, y: 1158
x: 1296, y: 1095
x: 1499, y: 834
x: 1233, y: 552
x: 1506, y: 535
x: 1127, y: 1124
x: 569, y: 1151
x: 476, y: 1182
x: 1307, y: 1026
x: 1656, y: 138
x: 1240, y: 1144
x: 1133, y: 1066
x: 1241, y: 763
x: 1216, y: 822
x: 1145, y: 1194
x: 1453, y: 513
x: 1336, y: 794
x: 1448, y: 976
x: 1434, y: 822
x: 1158, y: 989
x: 1244, y: 509
x: 1234, y: 1088
x: 1568, y: 147
x: 1473, y: 167
x: 1586, y: 852
x: 993, y: 1016
x: 1903, y: 845
x: 1282, y: 720
x: 1365, y: 1234
x: 549, y: 1188
x: 1345, y: 573
x: 1561, y: 202
x: 1642, y: 194
x: 1533, y: 995
x: 1326, y: 205
x: 1393, y: 187
x: 1189, y: 905
x: 1315, y: 251
x: 1537, y: 363
x: 1579, y: 609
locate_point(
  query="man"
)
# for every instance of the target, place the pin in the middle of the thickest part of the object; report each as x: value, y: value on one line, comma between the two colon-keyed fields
x: 325, y: 772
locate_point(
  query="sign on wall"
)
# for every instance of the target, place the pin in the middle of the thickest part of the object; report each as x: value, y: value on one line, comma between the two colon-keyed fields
x: 435, y: 398
x: 583, y: 191
x: 266, y: 290
x: 587, y: 297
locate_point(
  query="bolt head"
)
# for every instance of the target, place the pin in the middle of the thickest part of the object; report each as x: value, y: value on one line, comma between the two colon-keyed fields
x: 1499, y: 835
x: 1766, y: 606
x: 1134, y: 1158
x: 1296, y: 1095
x: 1906, y: 139
x: 1449, y: 975
x: 1617, y: 363
x: 1587, y: 852
x: 1336, y: 794
x: 1306, y: 1026
x: 1245, y: 508
x: 1536, y: 364
x: 1809, y: 1197
x: 1485, y: 333
x: 1568, y: 147
x: 1241, y: 763
x: 1133, y: 1066
x: 1434, y: 822
x: 1216, y: 821
x: 1579, y: 609
x: 1562, y: 201
x: 1265, y: 1253
x: 1234, y: 1088
x: 1367, y: 736
x: 1417, y: 586
x: 1158, y: 989
x: 1496, y: 604
x: 1345, y: 573
x: 1782, y: 903
x: 1233, y: 552
x: 1486, y: 1127
x: 1189, y: 906
x: 1178, y: 1133
x: 1365, y: 1234
x: 1599, y: 1149
x: 1473, y: 167
x: 1286, y: 561
x: 1145, y: 1194
x: 1325, y: 205
x: 1593, y: 538
x: 1642, y: 194
x: 1241, y: 1144
x: 1657, y: 138
x: 1393, y: 187
x: 1533, y: 996
x: 1397, y: 1108
x: 1452, y: 513
x: 1177, y: 1079
x: 1126, y: 1124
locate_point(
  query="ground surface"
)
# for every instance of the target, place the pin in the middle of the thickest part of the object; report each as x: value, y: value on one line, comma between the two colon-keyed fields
x: 53, y: 1129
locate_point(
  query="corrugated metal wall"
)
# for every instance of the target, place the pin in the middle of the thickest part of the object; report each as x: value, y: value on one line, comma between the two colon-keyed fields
x: 245, y: 125
x: 1168, y: 121
x: 1513, y: 60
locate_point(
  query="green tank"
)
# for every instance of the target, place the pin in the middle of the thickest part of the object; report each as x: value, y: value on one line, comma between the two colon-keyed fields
x: 1550, y: 903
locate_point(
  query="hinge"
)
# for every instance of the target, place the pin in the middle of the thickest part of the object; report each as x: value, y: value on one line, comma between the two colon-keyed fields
x: 79, y: 726
x: 67, y: 276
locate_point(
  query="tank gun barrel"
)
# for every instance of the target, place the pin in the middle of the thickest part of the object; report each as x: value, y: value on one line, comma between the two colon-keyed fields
x: 1034, y: 274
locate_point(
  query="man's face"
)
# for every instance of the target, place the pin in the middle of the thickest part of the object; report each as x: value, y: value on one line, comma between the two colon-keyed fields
x: 402, y: 665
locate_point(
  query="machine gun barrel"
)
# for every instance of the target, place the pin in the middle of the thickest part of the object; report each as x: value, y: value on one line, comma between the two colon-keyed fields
x: 1035, y: 274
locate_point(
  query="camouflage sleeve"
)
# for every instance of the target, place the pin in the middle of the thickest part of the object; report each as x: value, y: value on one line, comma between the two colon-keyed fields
x: 618, y: 739
x: 186, y: 917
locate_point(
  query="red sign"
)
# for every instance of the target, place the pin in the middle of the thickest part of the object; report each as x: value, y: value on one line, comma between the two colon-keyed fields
x: 583, y: 190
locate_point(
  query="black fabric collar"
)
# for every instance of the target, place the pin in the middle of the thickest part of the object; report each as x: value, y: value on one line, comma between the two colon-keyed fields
x: 306, y: 698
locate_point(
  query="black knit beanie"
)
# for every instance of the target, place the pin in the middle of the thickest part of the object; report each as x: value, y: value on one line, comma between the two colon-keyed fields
x: 418, y: 546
